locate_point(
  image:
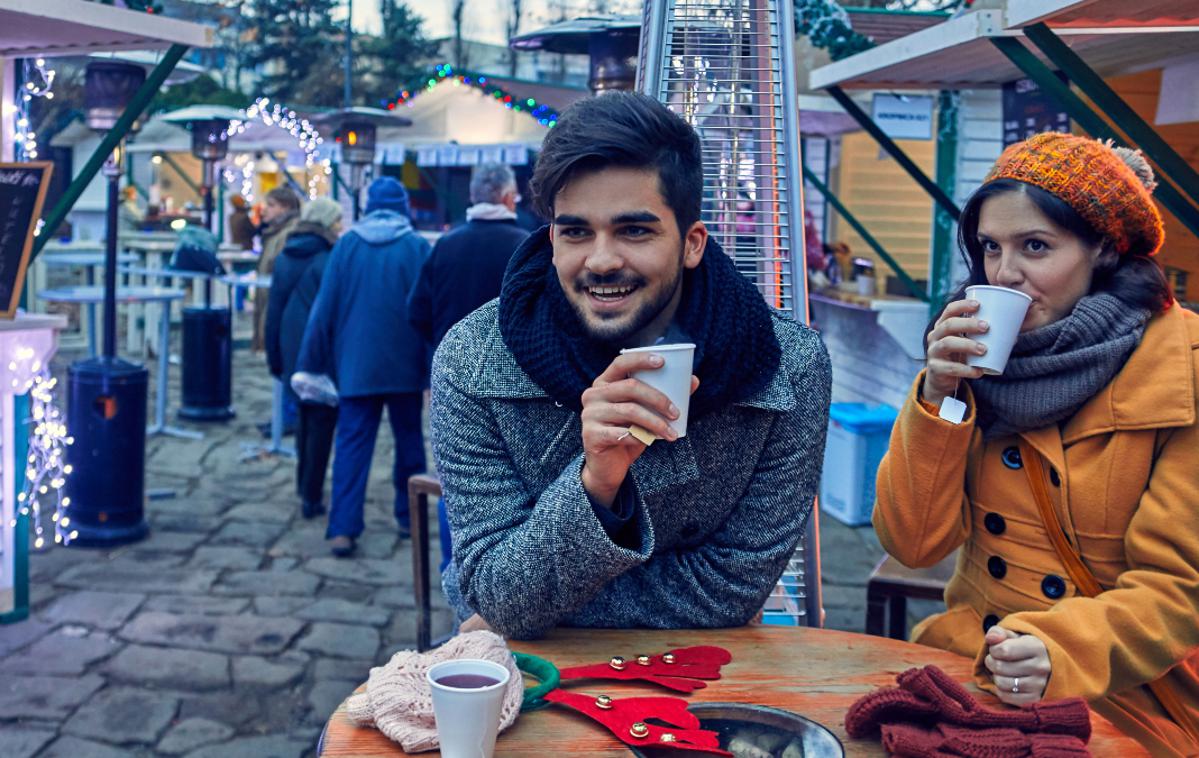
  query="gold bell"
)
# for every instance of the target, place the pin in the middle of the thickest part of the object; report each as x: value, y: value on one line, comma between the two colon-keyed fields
x: 639, y: 730
x: 643, y: 660
x: 668, y: 658
x: 603, y: 702
x: 668, y: 737
x: 617, y: 663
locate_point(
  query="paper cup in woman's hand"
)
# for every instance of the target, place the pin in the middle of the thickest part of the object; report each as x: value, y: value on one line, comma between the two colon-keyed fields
x: 1003, y: 309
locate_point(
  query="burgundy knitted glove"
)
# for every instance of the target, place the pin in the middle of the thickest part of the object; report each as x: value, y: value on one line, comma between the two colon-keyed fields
x: 884, y: 706
x: 985, y: 743
x: 905, y: 740
x: 1057, y: 746
x: 956, y: 705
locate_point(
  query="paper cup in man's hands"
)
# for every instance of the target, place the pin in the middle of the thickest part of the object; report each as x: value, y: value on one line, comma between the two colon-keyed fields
x: 674, y: 378
x: 1004, y: 310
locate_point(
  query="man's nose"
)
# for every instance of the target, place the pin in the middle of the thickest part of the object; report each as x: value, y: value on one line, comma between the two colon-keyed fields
x: 604, y: 257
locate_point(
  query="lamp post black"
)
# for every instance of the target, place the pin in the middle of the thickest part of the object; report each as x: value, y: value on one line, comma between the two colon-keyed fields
x: 107, y: 395
x: 210, y: 143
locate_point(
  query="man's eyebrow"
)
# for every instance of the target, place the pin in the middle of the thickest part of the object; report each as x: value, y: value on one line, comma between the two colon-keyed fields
x: 565, y: 220
x: 636, y: 217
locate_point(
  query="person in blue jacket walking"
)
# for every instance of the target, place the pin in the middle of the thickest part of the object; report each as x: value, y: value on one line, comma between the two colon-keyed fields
x: 359, y: 335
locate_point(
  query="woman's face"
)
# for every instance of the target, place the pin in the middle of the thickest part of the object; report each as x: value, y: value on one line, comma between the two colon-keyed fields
x: 1024, y: 250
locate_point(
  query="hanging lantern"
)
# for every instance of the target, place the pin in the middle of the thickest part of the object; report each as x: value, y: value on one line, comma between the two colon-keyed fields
x: 109, y: 87
x: 358, y: 142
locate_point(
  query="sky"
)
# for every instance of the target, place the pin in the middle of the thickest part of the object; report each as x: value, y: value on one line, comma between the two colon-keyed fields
x: 485, y: 19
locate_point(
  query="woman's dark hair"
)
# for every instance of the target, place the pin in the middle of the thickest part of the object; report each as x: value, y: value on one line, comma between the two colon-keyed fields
x: 1133, y: 277
x: 626, y: 130
x: 286, y: 197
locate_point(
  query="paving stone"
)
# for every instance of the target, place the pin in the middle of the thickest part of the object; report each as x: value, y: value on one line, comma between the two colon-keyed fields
x: 239, y: 558
x: 128, y: 558
x: 376, y: 571
x: 182, y: 522
x: 250, y: 533
x: 61, y: 653
x: 268, y: 583
x: 380, y: 543
x: 398, y: 596
x: 325, y: 697
x: 73, y: 747
x: 170, y: 668
x: 197, y: 604
x: 283, y: 564
x: 102, y: 610
x: 190, y: 734
x: 333, y: 609
x: 44, y: 697
x: 21, y: 742
x: 254, y: 671
x: 270, y: 513
x: 342, y: 670
x: 283, y: 605
x: 169, y: 542
x: 341, y: 640
x: 123, y: 714
x: 146, y: 579
x: 13, y: 637
x: 354, y: 593
x: 222, y: 634
x: 265, y: 746
x: 305, y: 541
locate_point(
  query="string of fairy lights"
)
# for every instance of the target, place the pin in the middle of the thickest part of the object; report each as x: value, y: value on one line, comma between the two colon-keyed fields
x: 39, y: 83
x: 544, y: 114
x: 278, y: 115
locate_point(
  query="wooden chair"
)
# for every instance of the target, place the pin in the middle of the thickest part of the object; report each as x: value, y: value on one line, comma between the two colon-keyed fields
x: 891, y: 584
x: 420, y: 488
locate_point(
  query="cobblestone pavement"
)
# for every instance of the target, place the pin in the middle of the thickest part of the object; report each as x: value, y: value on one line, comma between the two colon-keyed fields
x: 230, y: 631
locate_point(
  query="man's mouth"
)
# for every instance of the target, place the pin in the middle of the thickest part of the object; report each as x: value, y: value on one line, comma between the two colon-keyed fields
x: 610, y: 294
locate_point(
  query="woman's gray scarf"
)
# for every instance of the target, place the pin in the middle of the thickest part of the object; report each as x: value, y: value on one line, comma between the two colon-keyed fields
x: 1055, y: 369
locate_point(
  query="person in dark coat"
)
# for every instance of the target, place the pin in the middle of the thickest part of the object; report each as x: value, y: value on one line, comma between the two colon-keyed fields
x: 241, y: 228
x: 466, y: 270
x: 294, y: 286
x: 359, y: 335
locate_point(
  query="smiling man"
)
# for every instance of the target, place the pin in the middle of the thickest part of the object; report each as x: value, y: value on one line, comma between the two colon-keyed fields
x: 559, y: 515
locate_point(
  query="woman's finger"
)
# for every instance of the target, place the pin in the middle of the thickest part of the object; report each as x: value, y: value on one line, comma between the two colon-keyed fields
x: 959, y: 326
x: 958, y: 308
x: 941, y: 367
x: 950, y: 346
x: 1026, y: 667
x: 1023, y: 647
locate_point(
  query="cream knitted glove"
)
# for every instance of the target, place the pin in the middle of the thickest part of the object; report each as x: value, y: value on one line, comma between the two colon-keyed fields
x: 398, y: 702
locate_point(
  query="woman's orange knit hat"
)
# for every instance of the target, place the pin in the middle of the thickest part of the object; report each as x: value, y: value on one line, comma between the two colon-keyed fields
x: 1109, y: 187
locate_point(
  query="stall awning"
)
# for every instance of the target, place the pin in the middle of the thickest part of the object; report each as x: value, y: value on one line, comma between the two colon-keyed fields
x: 1102, y: 14
x: 958, y: 54
x: 76, y: 27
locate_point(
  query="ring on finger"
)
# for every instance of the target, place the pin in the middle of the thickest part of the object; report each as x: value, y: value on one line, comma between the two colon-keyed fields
x: 1016, y: 684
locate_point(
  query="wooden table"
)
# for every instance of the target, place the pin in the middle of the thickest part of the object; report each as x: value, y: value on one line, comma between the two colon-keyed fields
x: 816, y: 673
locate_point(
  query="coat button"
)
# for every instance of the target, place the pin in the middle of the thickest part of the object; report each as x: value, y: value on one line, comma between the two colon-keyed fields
x: 997, y: 566
x: 1053, y: 586
x: 990, y: 621
x: 1011, y: 458
x: 994, y: 523
x: 1054, y: 478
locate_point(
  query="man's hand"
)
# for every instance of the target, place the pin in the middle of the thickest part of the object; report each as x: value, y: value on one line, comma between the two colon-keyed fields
x: 475, y: 623
x: 1012, y: 657
x: 614, y: 402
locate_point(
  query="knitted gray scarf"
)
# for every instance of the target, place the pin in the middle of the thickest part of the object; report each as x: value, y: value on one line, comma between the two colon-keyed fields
x: 1055, y: 369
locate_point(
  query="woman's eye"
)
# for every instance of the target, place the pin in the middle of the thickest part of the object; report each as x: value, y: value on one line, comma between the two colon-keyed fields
x: 989, y: 247
x: 1036, y: 246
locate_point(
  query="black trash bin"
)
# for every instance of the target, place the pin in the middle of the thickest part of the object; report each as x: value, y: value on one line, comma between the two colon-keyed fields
x: 207, y: 364
x: 106, y: 413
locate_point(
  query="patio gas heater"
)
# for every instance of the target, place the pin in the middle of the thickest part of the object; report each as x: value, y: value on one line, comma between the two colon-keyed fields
x: 728, y: 68
x: 107, y: 395
x: 356, y: 130
x: 609, y: 40
x: 207, y: 385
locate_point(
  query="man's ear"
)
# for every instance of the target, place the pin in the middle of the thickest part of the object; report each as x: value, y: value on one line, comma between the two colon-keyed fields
x: 694, y: 242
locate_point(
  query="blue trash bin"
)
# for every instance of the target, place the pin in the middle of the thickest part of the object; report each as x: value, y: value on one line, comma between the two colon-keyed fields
x: 858, y: 435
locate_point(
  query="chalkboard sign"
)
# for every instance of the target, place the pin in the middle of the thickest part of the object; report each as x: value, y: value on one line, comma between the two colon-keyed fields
x: 22, y: 191
x: 1028, y: 110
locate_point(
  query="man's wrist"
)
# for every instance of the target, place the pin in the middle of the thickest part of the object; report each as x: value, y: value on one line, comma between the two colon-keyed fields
x: 600, y: 492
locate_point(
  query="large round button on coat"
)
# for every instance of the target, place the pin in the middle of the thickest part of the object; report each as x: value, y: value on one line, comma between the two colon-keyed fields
x: 997, y: 566
x: 990, y: 621
x: 994, y: 523
x: 1053, y: 586
x: 1011, y: 457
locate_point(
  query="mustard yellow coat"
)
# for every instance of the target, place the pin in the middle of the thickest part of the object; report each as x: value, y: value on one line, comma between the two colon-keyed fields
x: 1124, y: 475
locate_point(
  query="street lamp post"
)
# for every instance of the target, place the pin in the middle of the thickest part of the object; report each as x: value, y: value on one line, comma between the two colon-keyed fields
x: 106, y: 394
x: 210, y: 144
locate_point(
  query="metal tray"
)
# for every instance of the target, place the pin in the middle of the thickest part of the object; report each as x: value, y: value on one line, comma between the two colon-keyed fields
x: 794, y: 736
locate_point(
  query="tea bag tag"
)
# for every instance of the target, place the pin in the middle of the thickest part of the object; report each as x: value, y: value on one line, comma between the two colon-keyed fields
x: 952, y: 410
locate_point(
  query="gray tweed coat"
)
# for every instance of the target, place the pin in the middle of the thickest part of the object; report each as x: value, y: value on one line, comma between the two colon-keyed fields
x: 720, y: 511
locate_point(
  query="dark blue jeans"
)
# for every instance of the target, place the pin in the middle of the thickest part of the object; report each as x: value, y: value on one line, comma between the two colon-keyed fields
x: 357, y: 426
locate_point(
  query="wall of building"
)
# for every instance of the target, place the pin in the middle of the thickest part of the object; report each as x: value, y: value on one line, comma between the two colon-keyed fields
x: 869, y: 366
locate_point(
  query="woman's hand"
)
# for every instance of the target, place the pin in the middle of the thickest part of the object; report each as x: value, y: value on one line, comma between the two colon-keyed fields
x: 948, y: 346
x: 1017, y: 662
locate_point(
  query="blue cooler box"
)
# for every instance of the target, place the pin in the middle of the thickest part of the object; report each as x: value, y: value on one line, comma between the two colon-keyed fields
x: 858, y: 435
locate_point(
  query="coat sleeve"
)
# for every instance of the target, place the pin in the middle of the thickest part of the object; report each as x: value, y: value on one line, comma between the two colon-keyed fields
x: 420, y: 300
x: 316, y: 349
x: 1144, y: 625
x: 281, y: 289
x: 921, y: 512
x: 527, y: 562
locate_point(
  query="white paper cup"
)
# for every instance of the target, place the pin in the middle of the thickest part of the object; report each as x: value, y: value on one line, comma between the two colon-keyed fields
x: 1004, y: 309
x: 467, y: 718
x: 673, y: 379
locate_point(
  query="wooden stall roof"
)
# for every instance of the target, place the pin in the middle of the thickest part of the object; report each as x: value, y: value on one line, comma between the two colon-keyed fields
x: 1102, y: 14
x: 74, y: 27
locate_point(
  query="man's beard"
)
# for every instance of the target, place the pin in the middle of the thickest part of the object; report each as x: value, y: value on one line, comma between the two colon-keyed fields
x: 605, y: 330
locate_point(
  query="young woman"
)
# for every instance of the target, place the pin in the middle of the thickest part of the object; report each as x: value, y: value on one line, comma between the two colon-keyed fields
x: 1091, y: 426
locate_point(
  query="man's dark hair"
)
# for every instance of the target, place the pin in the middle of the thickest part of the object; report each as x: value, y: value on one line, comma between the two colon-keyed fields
x: 624, y: 130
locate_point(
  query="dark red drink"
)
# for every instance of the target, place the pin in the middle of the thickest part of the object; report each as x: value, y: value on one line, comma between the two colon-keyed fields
x: 467, y: 681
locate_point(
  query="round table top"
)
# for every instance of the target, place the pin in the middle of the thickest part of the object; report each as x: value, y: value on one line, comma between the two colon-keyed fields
x: 124, y: 295
x: 167, y: 272
x: 816, y: 673
x: 53, y: 258
x: 247, y: 280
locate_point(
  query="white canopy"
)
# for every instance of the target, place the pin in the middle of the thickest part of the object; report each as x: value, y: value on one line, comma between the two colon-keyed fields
x: 75, y: 27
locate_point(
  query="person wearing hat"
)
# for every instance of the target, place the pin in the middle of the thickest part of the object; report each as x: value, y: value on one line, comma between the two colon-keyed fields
x: 359, y: 335
x: 1070, y: 484
x: 241, y: 228
x: 294, y: 285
